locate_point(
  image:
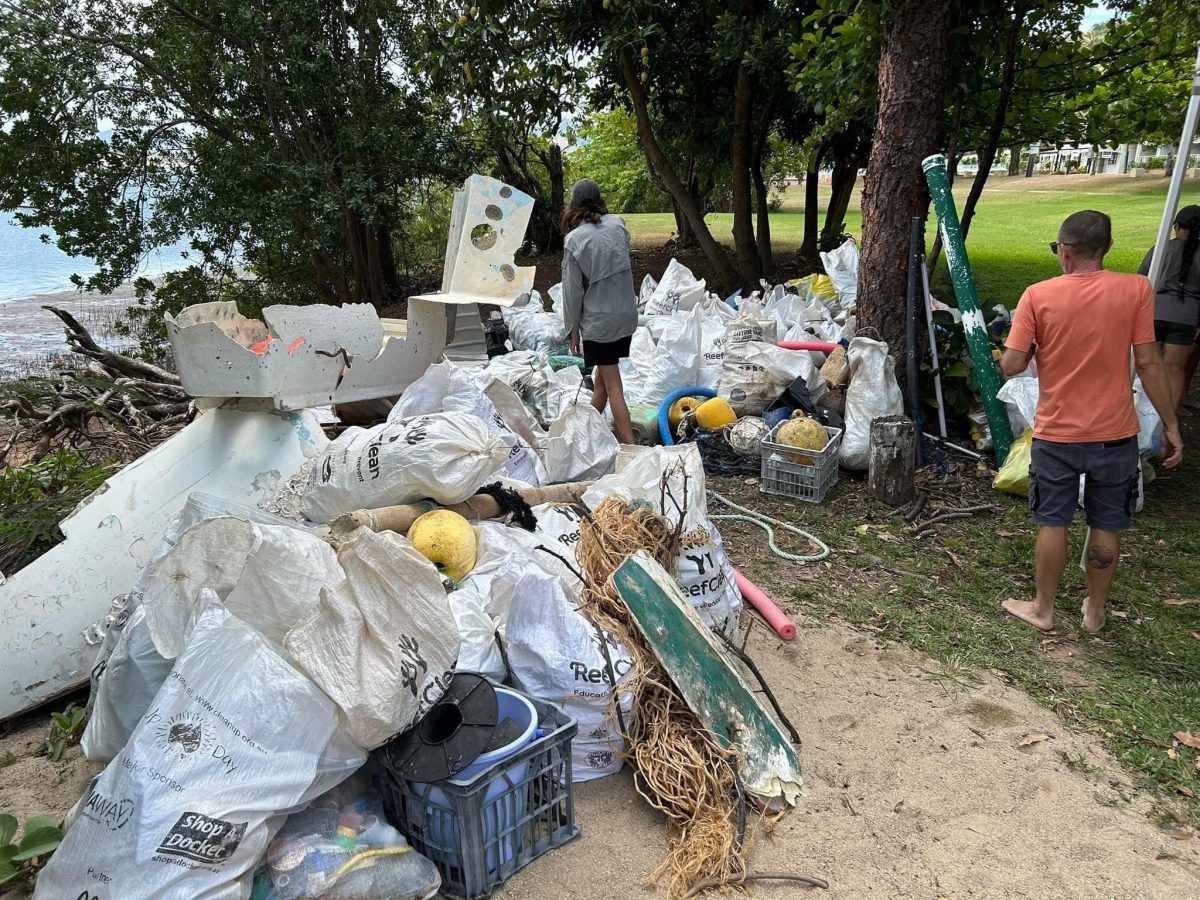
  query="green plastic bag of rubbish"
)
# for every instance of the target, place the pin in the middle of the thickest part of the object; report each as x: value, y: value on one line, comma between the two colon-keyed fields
x: 1013, y: 477
x: 562, y: 362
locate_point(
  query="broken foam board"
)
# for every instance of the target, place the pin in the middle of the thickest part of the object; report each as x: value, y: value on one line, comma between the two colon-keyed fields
x: 487, y: 227
x: 303, y: 356
x: 47, y: 606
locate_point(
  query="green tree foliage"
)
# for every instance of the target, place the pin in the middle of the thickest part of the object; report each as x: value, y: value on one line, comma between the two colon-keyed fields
x: 289, y: 140
x: 606, y: 149
x: 833, y: 79
x: 707, y: 85
x: 35, y: 497
x: 515, y: 78
x: 1042, y: 78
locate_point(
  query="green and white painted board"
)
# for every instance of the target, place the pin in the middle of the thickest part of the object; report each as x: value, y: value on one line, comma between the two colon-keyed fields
x: 706, y: 676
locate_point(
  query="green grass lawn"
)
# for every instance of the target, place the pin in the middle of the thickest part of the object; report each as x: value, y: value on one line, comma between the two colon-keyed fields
x: 1135, y: 684
x: 1015, y: 221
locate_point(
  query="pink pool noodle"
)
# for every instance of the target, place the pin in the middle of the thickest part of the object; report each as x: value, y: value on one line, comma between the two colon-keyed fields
x: 819, y: 346
x: 766, y: 606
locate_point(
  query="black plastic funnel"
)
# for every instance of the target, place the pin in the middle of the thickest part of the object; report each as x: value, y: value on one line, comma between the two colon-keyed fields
x: 450, y: 736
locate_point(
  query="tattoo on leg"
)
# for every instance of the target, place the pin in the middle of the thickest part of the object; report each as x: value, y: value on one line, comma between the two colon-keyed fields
x: 1100, y: 557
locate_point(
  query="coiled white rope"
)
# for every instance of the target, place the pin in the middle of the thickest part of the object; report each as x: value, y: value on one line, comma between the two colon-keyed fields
x: 765, y: 522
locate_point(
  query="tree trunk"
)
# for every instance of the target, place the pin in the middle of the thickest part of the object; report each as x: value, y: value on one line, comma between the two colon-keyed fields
x: 1014, y: 161
x: 556, y: 202
x: 657, y: 160
x: 912, y: 75
x: 812, y: 212
x: 845, y: 173
x: 762, y: 200
x: 685, y: 237
x: 749, y: 265
x: 892, y: 464
x: 952, y: 152
x: 988, y: 154
x: 544, y: 223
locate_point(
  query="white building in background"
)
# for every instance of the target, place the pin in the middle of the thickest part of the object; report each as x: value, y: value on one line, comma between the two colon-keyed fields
x: 1118, y: 160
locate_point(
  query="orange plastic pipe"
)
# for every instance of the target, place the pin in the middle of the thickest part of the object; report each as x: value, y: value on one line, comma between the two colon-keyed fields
x: 766, y: 607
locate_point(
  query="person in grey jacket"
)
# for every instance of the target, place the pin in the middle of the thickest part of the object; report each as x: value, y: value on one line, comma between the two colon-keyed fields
x: 1177, y: 299
x: 599, y: 305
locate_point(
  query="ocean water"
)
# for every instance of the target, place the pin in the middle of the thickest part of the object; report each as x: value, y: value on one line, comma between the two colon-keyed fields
x: 30, y: 266
x: 34, y: 272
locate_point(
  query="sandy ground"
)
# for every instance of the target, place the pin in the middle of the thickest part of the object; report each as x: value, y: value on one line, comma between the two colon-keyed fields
x: 918, y: 787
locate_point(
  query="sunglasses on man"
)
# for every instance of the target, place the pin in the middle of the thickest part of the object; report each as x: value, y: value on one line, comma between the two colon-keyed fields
x: 1054, y: 245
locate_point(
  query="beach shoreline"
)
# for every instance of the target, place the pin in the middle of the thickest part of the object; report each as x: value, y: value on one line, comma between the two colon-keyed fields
x: 31, y: 338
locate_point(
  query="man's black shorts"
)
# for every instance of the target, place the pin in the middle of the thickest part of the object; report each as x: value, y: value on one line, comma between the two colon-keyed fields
x: 1111, y: 483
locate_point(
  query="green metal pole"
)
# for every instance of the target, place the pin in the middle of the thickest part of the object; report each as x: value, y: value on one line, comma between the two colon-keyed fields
x: 968, y: 304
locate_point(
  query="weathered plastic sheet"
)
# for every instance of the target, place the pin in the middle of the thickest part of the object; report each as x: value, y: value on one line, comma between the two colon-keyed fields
x: 46, y: 607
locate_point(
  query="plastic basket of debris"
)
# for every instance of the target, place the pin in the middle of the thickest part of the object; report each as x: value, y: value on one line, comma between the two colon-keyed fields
x: 479, y: 832
x: 806, y: 475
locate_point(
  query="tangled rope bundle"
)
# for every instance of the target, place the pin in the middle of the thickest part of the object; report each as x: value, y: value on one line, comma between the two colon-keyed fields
x: 680, y: 769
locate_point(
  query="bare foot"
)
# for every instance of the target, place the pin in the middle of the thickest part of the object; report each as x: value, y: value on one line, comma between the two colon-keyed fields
x: 1092, y: 623
x: 1027, y: 611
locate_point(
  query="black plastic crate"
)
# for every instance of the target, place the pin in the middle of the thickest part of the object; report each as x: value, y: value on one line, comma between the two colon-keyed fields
x: 480, y: 834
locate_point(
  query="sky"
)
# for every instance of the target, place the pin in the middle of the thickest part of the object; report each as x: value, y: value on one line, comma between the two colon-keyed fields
x: 1095, y: 15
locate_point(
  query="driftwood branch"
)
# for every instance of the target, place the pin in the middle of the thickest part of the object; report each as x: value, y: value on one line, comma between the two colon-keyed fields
x: 81, y: 342
x: 113, y: 401
x: 749, y: 663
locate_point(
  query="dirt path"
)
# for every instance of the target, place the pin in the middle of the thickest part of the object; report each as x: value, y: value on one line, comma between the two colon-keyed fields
x: 918, y: 788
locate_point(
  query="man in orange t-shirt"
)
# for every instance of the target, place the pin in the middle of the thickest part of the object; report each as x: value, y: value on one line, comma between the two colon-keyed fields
x: 1082, y: 326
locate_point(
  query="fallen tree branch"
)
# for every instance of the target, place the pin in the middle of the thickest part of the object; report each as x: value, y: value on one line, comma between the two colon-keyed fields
x: 793, y: 734
x: 81, y: 342
x: 948, y: 515
x: 113, y: 402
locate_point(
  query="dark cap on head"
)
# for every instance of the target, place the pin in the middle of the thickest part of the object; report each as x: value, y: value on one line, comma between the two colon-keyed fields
x: 1188, y: 217
x: 585, y: 190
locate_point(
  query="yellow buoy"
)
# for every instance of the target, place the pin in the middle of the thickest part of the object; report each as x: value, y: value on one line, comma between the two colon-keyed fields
x: 679, y: 409
x: 447, y: 540
x: 714, y: 413
x: 805, y: 433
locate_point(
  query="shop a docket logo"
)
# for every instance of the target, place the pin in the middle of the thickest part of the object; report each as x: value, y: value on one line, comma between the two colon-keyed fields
x: 203, y: 840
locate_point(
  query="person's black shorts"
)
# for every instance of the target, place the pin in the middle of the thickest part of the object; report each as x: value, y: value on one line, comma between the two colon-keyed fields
x: 1174, y: 333
x: 605, y: 353
x: 1110, y: 487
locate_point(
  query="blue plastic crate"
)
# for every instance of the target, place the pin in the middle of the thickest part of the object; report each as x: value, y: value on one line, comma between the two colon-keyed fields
x: 481, y: 833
